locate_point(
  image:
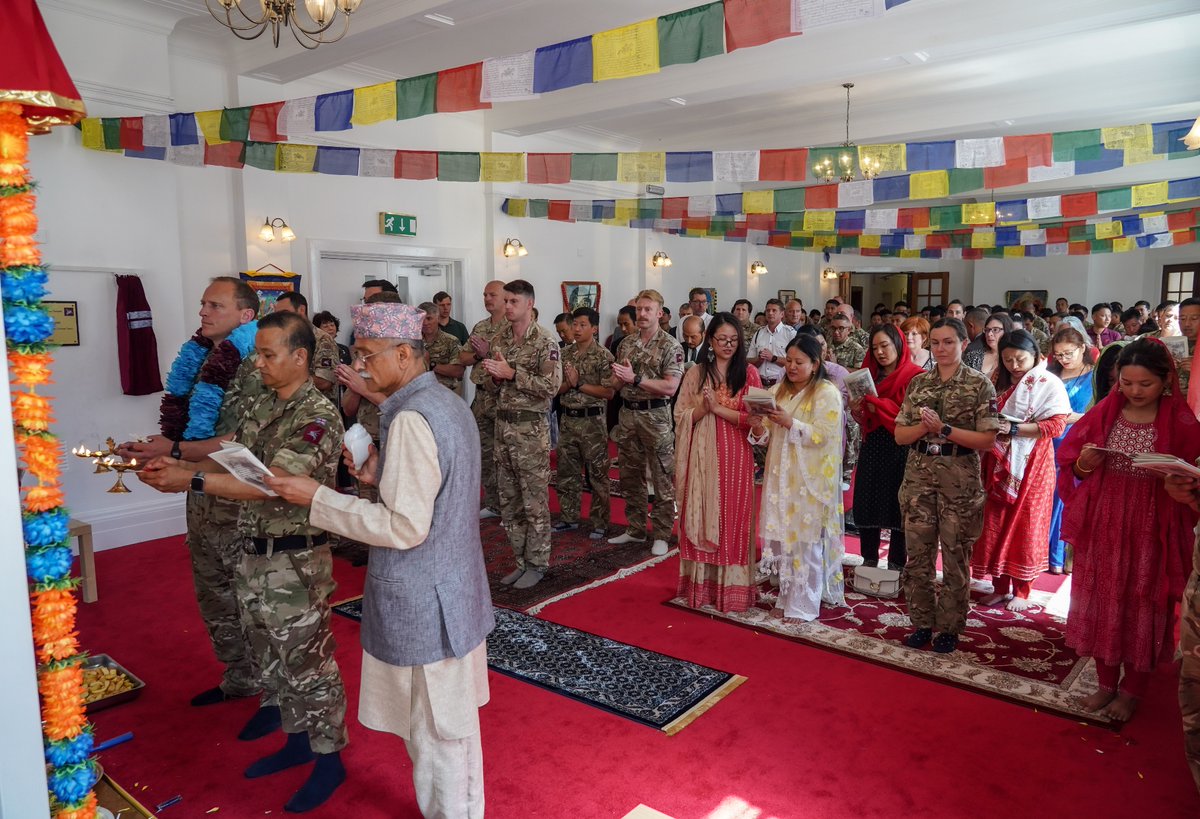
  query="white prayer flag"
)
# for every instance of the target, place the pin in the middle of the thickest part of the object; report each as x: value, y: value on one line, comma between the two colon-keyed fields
x: 856, y: 194
x: 758, y: 237
x: 979, y: 153
x: 581, y: 210
x: 952, y: 253
x: 156, y: 131
x: 508, y: 78
x: 735, y: 166
x: 1163, y: 239
x: 705, y: 205
x: 1154, y: 224
x: 1033, y: 237
x: 1056, y: 249
x: 1044, y: 207
x: 810, y: 14
x: 189, y: 155
x: 376, y: 162
x: 299, y: 116
x: 914, y: 241
x: 1059, y: 170
x: 879, y: 219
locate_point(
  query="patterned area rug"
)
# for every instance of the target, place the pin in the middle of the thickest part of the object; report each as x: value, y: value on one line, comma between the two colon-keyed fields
x: 1021, y: 657
x: 614, y: 480
x: 653, y: 689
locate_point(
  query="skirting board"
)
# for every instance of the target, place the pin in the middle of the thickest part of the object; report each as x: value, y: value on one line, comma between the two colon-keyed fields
x: 113, y: 528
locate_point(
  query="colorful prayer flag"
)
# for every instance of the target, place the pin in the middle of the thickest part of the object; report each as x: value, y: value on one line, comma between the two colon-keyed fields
x: 457, y: 166
x: 980, y: 213
x: 458, y: 89
x: 297, y: 158
x: 333, y: 111
x: 374, y: 103
x: 93, y: 133
x: 548, y: 169
x: 751, y: 23
x: 628, y: 51
x: 562, y: 65
x: 235, y: 124
x: 264, y: 122
x: 416, y: 165
x: 1154, y: 193
x: 758, y: 201
x: 929, y: 185
x: 641, y: 167
x: 691, y: 35
x: 210, y: 126
x: 416, y: 96
x: 501, y: 167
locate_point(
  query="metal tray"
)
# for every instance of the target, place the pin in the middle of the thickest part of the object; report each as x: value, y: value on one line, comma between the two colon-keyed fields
x: 105, y: 661
x: 118, y: 801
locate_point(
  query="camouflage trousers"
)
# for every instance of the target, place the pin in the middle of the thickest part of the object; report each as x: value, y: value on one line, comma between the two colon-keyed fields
x: 216, y: 550
x: 646, y: 437
x: 850, y: 449
x: 942, y: 501
x: 583, y: 445
x: 285, y: 601
x: 484, y: 410
x: 1189, y: 674
x: 522, y: 454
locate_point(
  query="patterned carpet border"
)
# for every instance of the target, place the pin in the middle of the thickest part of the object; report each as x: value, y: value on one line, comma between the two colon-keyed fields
x: 649, y: 688
x: 1053, y: 698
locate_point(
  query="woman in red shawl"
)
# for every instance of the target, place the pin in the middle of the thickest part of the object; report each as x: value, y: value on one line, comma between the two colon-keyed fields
x: 1132, y: 543
x: 881, y: 461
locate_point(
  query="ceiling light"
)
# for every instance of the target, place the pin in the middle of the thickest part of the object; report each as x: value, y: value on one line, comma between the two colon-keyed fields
x: 843, y: 169
x: 678, y: 100
x: 440, y: 18
x: 278, y: 14
x: 660, y: 259
x: 758, y: 269
x: 513, y: 247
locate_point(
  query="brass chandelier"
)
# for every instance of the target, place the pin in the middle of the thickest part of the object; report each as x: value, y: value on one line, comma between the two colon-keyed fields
x: 277, y: 14
x: 843, y: 169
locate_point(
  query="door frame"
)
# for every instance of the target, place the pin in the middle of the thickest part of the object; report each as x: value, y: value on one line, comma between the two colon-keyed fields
x: 914, y: 278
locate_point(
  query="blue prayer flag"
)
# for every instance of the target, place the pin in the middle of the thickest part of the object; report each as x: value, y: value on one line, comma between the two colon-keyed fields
x: 147, y: 152
x: 850, y: 219
x: 1183, y: 188
x: 1013, y: 211
x: 729, y: 203
x: 562, y: 65
x: 1131, y: 225
x: 1109, y: 158
x: 689, y: 166
x: 930, y: 156
x: 334, y: 110
x: 183, y: 129
x: 604, y: 209
x: 1168, y: 134
x: 1145, y: 241
x: 1037, y: 251
x: 888, y: 188
x: 340, y: 161
x: 1007, y: 237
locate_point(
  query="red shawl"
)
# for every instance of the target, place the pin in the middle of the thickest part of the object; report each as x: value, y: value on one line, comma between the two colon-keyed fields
x: 891, y: 389
x: 1177, y: 432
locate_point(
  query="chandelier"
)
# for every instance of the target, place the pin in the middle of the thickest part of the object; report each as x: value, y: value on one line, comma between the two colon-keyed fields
x: 278, y: 14
x: 843, y: 169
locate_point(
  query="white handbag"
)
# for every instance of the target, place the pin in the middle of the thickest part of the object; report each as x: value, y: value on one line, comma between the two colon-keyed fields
x: 877, y: 582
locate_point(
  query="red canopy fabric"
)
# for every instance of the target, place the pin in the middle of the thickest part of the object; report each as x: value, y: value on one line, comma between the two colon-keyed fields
x: 32, y: 73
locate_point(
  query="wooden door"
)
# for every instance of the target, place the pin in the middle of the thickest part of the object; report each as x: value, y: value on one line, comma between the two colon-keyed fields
x: 927, y: 290
x: 1180, y: 281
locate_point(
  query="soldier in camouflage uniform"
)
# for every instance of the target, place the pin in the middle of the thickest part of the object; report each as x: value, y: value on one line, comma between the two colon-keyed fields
x: 483, y: 407
x: 325, y: 359
x: 647, y: 371
x: 1187, y: 491
x: 845, y: 350
x: 948, y: 416
x: 524, y: 363
x: 441, y: 350
x: 582, y: 431
x: 285, y: 575
x: 743, y: 311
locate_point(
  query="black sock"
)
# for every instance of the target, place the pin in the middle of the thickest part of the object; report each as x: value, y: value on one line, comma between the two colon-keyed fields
x: 295, y: 752
x: 868, y: 541
x: 266, y: 720
x: 325, y: 778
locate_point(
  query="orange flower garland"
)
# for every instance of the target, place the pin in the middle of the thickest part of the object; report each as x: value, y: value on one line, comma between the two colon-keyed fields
x: 68, y: 737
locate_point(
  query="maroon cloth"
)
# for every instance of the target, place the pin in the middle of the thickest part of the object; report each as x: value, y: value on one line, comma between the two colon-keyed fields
x: 137, y: 348
x: 891, y: 389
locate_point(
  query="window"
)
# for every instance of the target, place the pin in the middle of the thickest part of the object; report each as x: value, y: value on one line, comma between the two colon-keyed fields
x: 1180, y: 281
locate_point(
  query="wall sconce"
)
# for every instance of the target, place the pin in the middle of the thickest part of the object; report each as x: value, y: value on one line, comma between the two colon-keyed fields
x: 758, y: 269
x: 660, y: 259
x: 829, y: 274
x: 513, y: 247
x: 267, y: 232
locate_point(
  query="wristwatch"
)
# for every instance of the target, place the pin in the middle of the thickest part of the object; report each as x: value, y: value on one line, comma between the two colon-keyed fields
x: 198, y: 483
x: 176, y: 452
x: 946, y: 430
x: 637, y: 380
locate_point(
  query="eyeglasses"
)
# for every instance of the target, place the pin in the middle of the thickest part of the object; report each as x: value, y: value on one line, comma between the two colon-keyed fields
x: 1068, y: 353
x: 993, y: 330
x: 725, y: 341
x: 363, y: 358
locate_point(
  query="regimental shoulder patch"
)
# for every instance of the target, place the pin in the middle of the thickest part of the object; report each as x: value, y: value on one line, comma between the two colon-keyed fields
x: 314, y: 432
x: 554, y: 353
x: 679, y: 357
x: 327, y: 362
x: 993, y: 406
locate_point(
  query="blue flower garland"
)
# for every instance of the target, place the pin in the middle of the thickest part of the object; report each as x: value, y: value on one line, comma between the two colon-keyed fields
x: 200, y: 378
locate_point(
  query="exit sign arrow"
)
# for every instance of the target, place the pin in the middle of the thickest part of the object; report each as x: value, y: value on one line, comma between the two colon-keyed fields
x: 397, y: 224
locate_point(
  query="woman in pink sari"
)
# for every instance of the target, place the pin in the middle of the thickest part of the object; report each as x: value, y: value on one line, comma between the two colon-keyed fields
x: 714, y: 473
x: 1132, y: 542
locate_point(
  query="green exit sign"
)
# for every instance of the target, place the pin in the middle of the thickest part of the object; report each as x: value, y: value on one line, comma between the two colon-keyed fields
x: 397, y: 224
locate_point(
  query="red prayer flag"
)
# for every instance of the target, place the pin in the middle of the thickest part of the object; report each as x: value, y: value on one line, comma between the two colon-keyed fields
x: 225, y: 155
x: 1079, y: 204
x: 1057, y: 235
x: 912, y: 218
x: 937, y: 241
x: 547, y: 169
x: 1015, y: 172
x: 697, y: 222
x: 754, y: 22
x: 674, y: 207
x: 1184, y: 237
x: 780, y: 240
x: 560, y: 210
x: 972, y: 253
x: 458, y: 89
x: 264, y: 122
x: 760, y: 221
x: 416, y: 165
x: 1038, y: 149
x: 131, y: 134
x: 1079, y: 248
x: 1179, y: 221
x: 736, y: 233
x: 783, y: 165
x: 869, y: 251
x: 820, y: 197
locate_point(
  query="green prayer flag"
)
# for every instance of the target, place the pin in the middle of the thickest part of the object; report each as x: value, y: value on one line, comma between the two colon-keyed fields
x: 847, y: 241
x: 416, y: 96
x: 1072, y: 145
x: 650, y: 209
x: 790, y: 200
x: 456, y: 166
x: 817, y: 156
x: 1078, y: 233
x: 594, y: 167
x: 960, y: 240
x: 235, y: 124
x: 112, y: 133
x: 720, y: 225
x: 946, y: 217
x: 965, y: 179
x: 539, y: 208
x: 263, y: 155
x: 691, y: 35
x: 1116, y: 199
x: 1102, y: 245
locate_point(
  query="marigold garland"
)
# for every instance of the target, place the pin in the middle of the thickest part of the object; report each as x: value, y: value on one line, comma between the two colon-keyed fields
x: 71, y: 772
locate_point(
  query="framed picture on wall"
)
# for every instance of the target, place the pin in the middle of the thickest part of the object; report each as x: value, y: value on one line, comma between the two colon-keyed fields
x: 580, y: 294
x: 1038, y: 297
x: 712, y: 299
x: 269, y: 284
x: 786, y: 295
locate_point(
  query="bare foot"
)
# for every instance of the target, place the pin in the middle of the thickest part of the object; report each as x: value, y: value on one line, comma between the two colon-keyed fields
x: 1018, y: 604
x: 1096, y: 701
x: 1121, y: 709
x: 991, y: 599
x: 776, y: 614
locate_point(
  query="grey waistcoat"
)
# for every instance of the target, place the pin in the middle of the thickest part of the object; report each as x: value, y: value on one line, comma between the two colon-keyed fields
x: 431, y: 602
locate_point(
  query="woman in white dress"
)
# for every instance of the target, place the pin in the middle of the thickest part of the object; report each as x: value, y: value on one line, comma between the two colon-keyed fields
x: 801, y: 521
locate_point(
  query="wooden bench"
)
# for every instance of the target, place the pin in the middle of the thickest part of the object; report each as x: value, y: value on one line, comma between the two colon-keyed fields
x: 87, y: 558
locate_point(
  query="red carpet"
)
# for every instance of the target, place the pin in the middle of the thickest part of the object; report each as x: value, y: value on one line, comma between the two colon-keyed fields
x: 811, y: 734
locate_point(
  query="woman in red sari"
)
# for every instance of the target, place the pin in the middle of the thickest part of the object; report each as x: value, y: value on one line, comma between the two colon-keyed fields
x: 714, y: 472
x: 1132, y: 542
x: 1018, y: 473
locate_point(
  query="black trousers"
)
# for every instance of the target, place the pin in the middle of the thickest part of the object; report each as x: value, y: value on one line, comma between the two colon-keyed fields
x: 897, y: 552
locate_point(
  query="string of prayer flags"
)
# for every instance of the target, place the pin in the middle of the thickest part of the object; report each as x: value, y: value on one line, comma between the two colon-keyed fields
x: 374, y: 103
x: 628, y: 51
x: 750, y: 23
x: 458, y: 89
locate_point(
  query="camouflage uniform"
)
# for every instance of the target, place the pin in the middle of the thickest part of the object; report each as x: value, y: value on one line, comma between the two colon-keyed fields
x: 749, y: 328
x: 522, y: 447
x: 863, y: 338
x: 368, y: 416
x: 942, y: 497
x: 325, y: 361
x: 284, y: 593
x: 215, y: 550
x: 1043, y: 340
x: 647, y: 435
x: 444, y: 349
x: 583, y: 437
x: 1189, y: 673
x: 849, y: 353
x: 484, y: 410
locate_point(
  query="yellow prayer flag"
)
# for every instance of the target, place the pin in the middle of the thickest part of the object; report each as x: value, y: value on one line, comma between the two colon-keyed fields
x: 615, y: 222
x: 297, y: 158
x: 1152, y: 193
x: 868, y: 240
x: 1117, y: 137
x: 506, y: 167
x: 919, y: 231
x: 1014, y: 252
x: 983, y: 239
x: 1123, y: 244
x: 979, y: 213
x: 758, y: 202
x: 625, y: 209
x: 374, y: 103
x: 820, y: 220
x: 696, y: 232
x: 93, y: 133
x: 1108, y: 230
x: 910, y: 254
x: 885, y: 157
x: 629, y: 51
x: 929, y: 185
x: 210, y: 126
x: 518, y: 207
x: 641, y: 168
